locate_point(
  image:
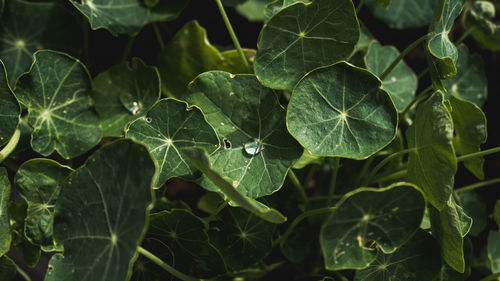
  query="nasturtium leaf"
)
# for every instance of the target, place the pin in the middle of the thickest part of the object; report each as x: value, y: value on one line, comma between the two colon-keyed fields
x: 449, y: 226
x: 8, y: 269
x: 475, y: 207
x: 470, y: 132
x: 253, y: 10
x: 124, y: 93
x: 127, y: 16
x: 257, y: 149
x: 169, y: 126
x: 101, y: 214
x: 27, y: 26
x: 470, y: 82
x: 39, y: 183
x: 10, y: 110
x: 184, y: 236
x: 415, y: 260
x: 298, y: 245
x: 320, y: 33
x: 189, y: 54
x: 404, y: 14
x: 387, y: 216
x: 242, y: 238
x: 278, y: 5
x: 440, y: 45
x: 5, y: 235
x: 17, y: 214
x: 31, y: 253
x: 201, y: 161
x: 493, y: 248
x: 56, y: 93
x: 432, y: 162
x: 340, y: 110
x: 401, y: 82
x: 449, y: 274
x: 480, y: 21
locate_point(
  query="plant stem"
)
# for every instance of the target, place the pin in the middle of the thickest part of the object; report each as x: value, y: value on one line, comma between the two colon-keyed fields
x: 11, y: 145
x: 158, y: 35
x: 421, y: 74
x: 310, y: 175
x: 386, y: 160
x: 402, y: 55
x: 476, y: 185
x: 476, y: 154
x: 298, y: 186
x: 465, y: 35
x: 128, y: 48
x: 232, y: 34
x: 491, y: 277
x: 23, y: 273
x: 334, y: 166
x: 299, y: 218
x: 165, y: 266
x: 342, y: 277
x: 364, y: 170
x: 423, y: 95
x: 360, y: 4
x: 217, y: 211
x: 393, y: 176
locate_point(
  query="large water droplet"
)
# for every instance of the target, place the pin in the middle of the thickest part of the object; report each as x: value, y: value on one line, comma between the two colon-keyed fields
x: 253, y: 147
x: 131, y: 103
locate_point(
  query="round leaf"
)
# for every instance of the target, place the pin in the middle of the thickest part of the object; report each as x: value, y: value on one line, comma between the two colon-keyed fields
x: 9, y: 109
x: 404, y: 14
x: 169, y: 126
x: 340, y: 110
x: 5, y: 236
x: 56, y: 93
x: 320, y: 33
x: 101, y: 214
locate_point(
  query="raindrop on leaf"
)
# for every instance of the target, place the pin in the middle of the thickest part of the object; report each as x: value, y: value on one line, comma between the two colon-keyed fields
x: 253, y: 147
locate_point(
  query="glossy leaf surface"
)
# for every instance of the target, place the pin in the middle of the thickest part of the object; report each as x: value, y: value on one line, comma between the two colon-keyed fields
x: 9, y: 109
x: 5, y: 236
x: 404, y: 14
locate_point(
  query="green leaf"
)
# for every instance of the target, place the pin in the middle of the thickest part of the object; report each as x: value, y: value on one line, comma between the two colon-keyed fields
x: 278, y: 5
x: 31, y: 253
x: 242, y: 238
x: 10, y: 110
x: 184, y: 236
x: 493, y: 248
x: 127, y: 16
x: 124, y: 93
x: 470, y: 132
x: 432, y: 162
x: 440, y: 45
x: 387, y: 217
x: 449, y: 226
x: 475, y: 207
x: 470, y: 82
x: 258, y: 151
x: 39, y: 182
x: 253, y: 10
x: 101, y: 214
x: 340, y: 110
x: 449, y: 274
x: 201, y: 161
x: 189, y: 54
x: 8, y: 269
x: 322, y: 33
x: 480, y: 20
x: 404, y: 14
x: 28, y: 26
x: 56, y: 93
x: 384, y: 3
x: 415, y: 260
x: 168, y: 127
x: 5, y: 236
x: 401, y: 82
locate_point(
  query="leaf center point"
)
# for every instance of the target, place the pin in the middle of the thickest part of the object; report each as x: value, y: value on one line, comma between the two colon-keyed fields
x: 20, y: 44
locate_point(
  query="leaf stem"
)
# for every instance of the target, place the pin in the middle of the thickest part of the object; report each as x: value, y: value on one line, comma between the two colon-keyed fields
x: 11, y: 145
x: 421, y: 74
x: 217, y: 211
x: 23, y: 273
x: 476, y: 154
x: 165, y: 266
x: 158, y: 35
x: 364, y: 170
x: 423, y: 95
x: 299, y: 218
x: 310, y: 174
x: 298, y: 186
x: 476, y: 185
x: 334, y: 166
x: 392, y: 176
x: 232, y: 34
x: 128, y: 48
x: 384, y: 161
x: 465, y: 35
x: 491, y: 277
x: 402, y: 55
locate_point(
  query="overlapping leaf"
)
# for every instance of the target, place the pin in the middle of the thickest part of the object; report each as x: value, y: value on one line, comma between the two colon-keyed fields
x: 101, y: 214
x: 9, y: 108
x: 474, y: 207
x: 258, y: 151
x: 28, y: 26
x: 8, y: 269
x: 432, y: 163
x: 387, y: 217
x: 493, y: 249
x: 56, y: 93
x: 340, y: 110
x: 124, y: 93
x: 168, y: 127
x: 39, y: 182
x: 401, y: 82
x: 480, y: 21
x: 278, y: 5
x: 253, y: 10
x: 127, y: 16
x: 320, y: 33
x: 404, y: 14
x: 5, y: 236
x: 449, y: 274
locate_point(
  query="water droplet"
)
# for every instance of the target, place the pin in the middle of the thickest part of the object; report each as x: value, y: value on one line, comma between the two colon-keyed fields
x: 222, y: 123
x: 227, y: 143
x: 130, y: 103
x: 393, y: 79
x: 253, y: 147
x: 231, y: 93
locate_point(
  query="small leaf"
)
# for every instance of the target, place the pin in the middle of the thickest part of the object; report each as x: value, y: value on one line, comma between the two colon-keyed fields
x: 56, y: 93
x: 403, y: 14
x: 253, y: 10
x: 322, y: 33
x: 9, y: 108
x: 432, y: 163
x: 201, y: 161
x: 258, y: 151
x: 387, y: 217
x: 101, y: 214
x: 5, y: 236
x: 8, y: 269
x: 415, y: 260
x: 168, y: 127
x: 340, y: 110
x: 39, y: 182
x: 124, y: 93
x: 475, y: 207
x: 401, y: 82
x: 493, y: 248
